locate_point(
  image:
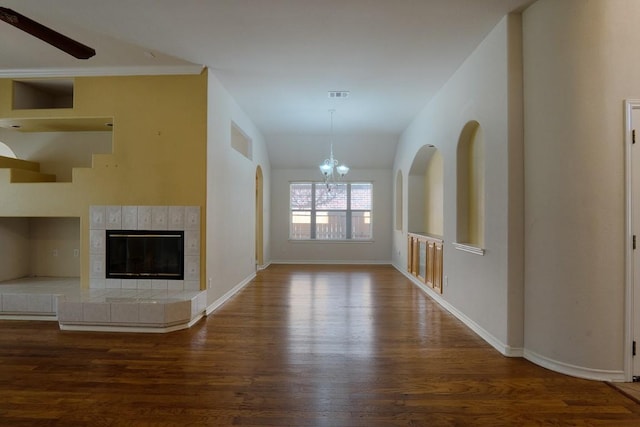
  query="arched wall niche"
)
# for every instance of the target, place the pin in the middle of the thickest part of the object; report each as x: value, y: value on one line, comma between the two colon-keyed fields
x: 470, y: 171
x: 426, y: 192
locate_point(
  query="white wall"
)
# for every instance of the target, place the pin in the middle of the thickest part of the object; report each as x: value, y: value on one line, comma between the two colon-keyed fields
x: 230, y: 216
x: 377, y: 251
x: 58, y: 152
x: 484, y: 290
x: 581, y: 62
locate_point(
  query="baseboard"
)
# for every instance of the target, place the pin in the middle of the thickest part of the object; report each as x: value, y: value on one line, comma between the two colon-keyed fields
x: 573, y: 370
x: 227, y: 296
x: 504, y: 349
x: 263, y: 266
x: 332, y: 262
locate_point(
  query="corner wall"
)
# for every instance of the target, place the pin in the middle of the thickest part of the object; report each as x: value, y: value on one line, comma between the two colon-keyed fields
x: 580, y: 65
x: 231, y: 199
x: 484, y: 291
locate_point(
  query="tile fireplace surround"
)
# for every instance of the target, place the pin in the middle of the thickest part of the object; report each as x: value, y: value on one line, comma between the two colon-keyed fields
x: 146, y: 305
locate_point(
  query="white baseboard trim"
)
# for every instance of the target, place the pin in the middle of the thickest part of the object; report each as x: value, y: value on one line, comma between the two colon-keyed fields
x: 573, y: 370
x: 130, y: 329
x: 227, y: 296
x: 263, y: 266
x: 331, y: 262
x: 49, y: 318
x: 504, y: 349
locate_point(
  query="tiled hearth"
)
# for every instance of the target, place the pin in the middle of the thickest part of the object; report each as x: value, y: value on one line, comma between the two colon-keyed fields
x: 35, y: 298
x: 131, y: 310
x: 147, y: 305
x: 61, y: 299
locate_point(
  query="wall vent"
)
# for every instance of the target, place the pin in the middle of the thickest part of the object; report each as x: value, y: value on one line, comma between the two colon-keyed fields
x: 339, y: 94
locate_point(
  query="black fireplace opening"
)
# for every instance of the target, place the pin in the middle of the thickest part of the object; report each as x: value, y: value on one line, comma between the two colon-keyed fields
x: 138, y: 254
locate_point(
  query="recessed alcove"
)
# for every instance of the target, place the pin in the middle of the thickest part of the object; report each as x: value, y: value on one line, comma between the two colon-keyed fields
x: 42, y: 94
x: 39, y: 247
x: 241, y: 142
x: 58, y: 145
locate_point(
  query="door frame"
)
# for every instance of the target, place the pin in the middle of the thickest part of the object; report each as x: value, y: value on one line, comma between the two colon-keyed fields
x: 259, y: 226
x: 629, y: 106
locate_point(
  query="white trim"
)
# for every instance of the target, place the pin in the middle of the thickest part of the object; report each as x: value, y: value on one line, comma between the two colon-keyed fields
x: 226, y: 297
x: 629, y: 105
x: 132, y: 329
x: 263, y: 266
x: 504, y: 349
x: 103, y: 71
x: 545, y: 362
x: 331, y: 262
x: 338, y: 241
x: 573, y: 370
x: 46, y: 317
x: 468, y: 248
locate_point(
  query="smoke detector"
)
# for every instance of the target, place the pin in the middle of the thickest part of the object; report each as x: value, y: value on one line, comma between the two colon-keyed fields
x: 339, y: 94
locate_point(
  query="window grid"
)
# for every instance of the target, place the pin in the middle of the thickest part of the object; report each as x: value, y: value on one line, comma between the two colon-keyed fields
x: 344, y: 213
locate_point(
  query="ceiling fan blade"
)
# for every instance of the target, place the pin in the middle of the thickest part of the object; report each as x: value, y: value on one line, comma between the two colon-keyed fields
x: 54, y: 38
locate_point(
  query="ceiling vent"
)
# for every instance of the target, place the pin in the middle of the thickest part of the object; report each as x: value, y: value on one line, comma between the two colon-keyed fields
x: 339, y: 94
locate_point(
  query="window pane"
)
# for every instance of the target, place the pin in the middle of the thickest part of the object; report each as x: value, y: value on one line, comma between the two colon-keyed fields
x: 361, y: 225
x: 300, y: 227
x: 334, y: 199
x: 331, y: 225
x: 361, y: 196
x: 300, y: 195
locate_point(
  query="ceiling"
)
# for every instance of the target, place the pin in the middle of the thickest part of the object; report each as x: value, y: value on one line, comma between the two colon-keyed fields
x: 277, y: 58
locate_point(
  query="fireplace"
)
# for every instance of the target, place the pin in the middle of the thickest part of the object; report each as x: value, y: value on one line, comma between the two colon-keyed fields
x: 144, y: 254
x: 180, y: 274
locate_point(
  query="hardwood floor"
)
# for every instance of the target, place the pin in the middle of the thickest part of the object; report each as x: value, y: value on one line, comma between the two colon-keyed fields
x: 299, y: 346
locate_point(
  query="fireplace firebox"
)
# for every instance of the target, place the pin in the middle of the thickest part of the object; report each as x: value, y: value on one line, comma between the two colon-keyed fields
x: 143, y: 254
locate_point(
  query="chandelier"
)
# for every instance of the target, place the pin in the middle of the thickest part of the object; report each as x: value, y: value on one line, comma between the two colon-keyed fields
x: 330, y: 167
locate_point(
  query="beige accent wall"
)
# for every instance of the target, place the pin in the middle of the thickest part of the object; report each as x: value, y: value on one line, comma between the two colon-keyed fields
x: 159, y: 151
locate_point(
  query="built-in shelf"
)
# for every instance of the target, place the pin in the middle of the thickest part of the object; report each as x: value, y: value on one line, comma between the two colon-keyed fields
x: 469, y: 248
x: 42, y: 94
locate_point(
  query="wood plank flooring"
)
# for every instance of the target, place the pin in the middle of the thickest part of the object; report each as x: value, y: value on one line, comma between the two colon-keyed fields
x: 299, y: 346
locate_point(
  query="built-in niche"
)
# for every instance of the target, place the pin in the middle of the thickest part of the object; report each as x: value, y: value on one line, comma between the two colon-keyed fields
x: 425, y: 192
x: 39, y: 247
x: 31, y: 94
x: 470, y: 205
x: 58, y: 145
x: 241, y: 142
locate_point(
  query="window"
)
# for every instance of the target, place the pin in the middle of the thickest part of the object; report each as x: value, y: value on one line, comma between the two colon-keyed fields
x: 344, y: 213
